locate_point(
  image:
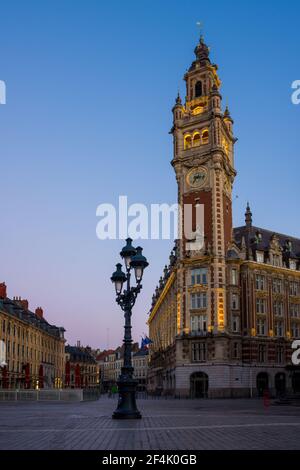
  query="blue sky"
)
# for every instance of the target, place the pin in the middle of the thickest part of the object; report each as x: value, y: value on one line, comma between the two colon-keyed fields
x: 90, y: 87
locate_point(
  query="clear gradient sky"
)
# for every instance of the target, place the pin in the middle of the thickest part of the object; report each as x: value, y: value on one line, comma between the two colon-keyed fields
x: 90, y: 87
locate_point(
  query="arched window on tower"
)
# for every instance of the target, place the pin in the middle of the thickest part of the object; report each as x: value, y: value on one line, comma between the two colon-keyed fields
x: 205, y: 137
x: 198, y: 89
x: 187, y: 141
x: 196, y: 139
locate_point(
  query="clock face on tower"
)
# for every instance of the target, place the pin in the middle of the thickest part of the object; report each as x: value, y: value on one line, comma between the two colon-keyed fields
x: 197, y: 177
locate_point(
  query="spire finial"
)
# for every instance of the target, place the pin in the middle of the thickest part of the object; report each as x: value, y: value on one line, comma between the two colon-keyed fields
x: 248, y: 216
x: 201, y: 50
x: 178, y: 99
x: 200, y: 26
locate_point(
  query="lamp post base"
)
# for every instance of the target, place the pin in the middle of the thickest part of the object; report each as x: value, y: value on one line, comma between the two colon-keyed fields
x: 127, y: 408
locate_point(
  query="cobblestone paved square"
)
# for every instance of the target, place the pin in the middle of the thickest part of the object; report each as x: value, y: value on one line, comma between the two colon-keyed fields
x: 166, y: 424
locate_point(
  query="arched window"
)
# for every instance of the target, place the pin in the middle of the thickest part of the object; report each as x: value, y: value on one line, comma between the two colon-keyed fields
x: 187, y: 141
x: 198, y: 89
x: 205, y: 137
x: 196, y: 139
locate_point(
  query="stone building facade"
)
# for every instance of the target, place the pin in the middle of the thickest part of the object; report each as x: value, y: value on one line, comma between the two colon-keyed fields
x: 227, y: 306
x: 34, y: 349
x: 111, y: 361
x: 140, y: 365
x: 82, y: 370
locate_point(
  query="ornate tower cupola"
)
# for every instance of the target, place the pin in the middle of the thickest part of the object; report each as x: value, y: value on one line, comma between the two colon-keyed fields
x: 202, y: 53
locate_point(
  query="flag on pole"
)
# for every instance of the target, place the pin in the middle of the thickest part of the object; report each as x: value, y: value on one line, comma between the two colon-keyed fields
x: 145, y: 342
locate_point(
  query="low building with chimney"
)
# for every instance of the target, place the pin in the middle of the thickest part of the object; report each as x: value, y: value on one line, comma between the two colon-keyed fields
x: 32, y: 348
x: 82, y: 370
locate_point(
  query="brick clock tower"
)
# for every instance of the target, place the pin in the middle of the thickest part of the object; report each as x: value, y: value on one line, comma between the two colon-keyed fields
x: 204, y: 166
x: 228, y: 303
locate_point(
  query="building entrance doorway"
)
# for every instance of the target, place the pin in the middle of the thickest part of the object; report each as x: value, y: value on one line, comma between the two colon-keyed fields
x: 199, y: 385
x: 280, y: 383
x: 296, y: 381
x: 262, y: 383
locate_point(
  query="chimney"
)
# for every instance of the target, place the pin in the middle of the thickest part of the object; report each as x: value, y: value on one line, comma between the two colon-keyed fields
x: 22, y: 302
x: 78, y: 344
x: 3, y: 290
x: 39, y: 312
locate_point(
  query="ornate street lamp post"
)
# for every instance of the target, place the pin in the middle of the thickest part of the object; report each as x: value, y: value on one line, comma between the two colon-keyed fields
x: 133, y: 259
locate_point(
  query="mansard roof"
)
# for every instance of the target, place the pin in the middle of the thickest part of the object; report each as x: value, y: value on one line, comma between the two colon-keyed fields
x: 78, y: 354
x: 15, y: 310
x: 262, y: 243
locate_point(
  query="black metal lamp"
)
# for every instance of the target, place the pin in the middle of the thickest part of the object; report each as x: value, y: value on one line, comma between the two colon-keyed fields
x: 127, y: 384
x: 139, y: 263
x: 127, y: 252
x: 118, y: 278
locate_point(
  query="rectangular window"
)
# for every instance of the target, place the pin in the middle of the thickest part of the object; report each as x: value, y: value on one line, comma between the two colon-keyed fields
x: 199, y: 276
x: 199, y: 300
x: 234, y: 301
x: 198, y: 323
x: 199, y: 352
x: 262, y: 353
x: 261, y: 306
x: 261, y: 327
x: 260, y: 282
x: 277, y: 286
x: 294, y: 288
x: 295, y: 310
x: 279, y: 354
x: 278, y: 308
x: 278, y: 328
x: 295, y: 330
x: 234, y: 277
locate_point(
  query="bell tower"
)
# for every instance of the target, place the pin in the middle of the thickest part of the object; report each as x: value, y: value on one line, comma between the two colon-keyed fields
x: 203, y: 161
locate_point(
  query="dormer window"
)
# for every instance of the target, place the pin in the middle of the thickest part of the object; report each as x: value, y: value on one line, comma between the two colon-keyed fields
x: 293, y: 264
x: 259, y: 257
x: 198, y: 89
x: 288, y: 245
x: 258, y: 237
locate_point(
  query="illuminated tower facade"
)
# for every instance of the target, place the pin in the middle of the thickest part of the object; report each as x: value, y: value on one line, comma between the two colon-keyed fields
x: 204, y: 165
x: 227, y: 306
